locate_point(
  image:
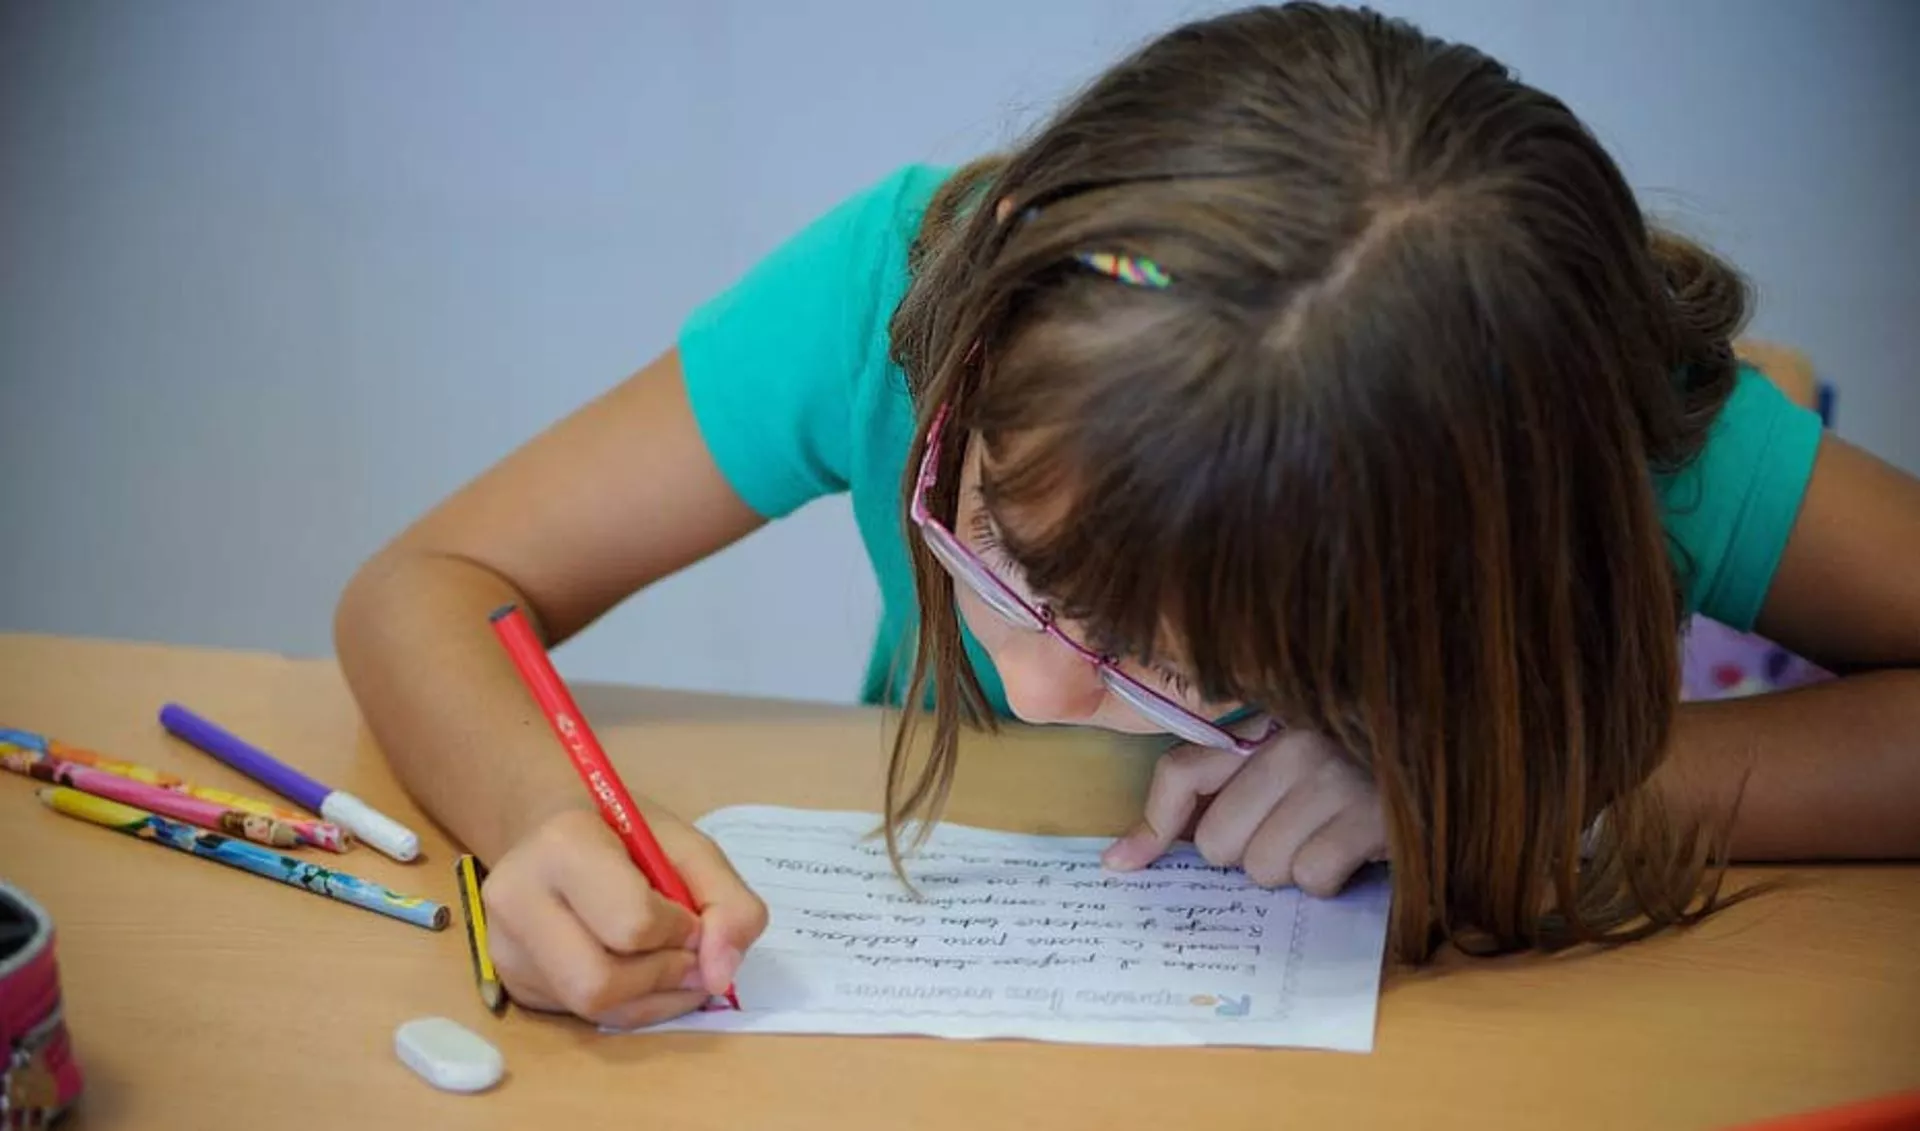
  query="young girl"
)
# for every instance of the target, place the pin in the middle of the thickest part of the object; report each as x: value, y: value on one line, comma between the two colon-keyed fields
x: 1309, y: 390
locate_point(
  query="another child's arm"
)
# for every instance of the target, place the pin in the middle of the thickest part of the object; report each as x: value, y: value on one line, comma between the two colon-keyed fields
x: 616, y: 496
x: 1831, y: 770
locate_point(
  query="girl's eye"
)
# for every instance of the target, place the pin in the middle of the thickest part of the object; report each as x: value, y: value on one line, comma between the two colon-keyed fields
x: 1159, y: 676
x: 1180, y: 685
x: 984, y: 535
x: 986, y: 541
x: 986, y: 538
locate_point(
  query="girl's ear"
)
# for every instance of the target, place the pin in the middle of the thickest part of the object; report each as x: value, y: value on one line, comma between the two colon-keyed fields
x: 1003, y: 209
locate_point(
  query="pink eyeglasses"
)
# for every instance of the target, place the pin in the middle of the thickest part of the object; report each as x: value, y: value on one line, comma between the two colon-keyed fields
x: 966, y: 568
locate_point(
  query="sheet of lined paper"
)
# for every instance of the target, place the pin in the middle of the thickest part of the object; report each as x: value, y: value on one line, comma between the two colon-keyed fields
x: 1029, y: 936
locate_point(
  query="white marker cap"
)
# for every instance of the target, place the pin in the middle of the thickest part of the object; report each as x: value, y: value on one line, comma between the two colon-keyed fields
x: 371, y: 825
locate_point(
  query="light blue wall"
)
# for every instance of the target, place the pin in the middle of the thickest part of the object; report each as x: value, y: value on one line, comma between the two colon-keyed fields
x: 274, y: 276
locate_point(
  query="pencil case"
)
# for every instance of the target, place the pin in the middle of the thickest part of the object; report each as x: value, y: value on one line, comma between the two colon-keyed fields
x: 39, y: 1078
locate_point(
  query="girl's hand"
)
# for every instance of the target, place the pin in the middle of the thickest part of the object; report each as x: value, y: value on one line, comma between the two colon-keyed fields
x: 1297, y: 811
x: 576, y: 928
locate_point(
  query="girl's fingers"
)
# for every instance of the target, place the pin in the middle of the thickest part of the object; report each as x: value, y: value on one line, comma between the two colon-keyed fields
x: 1355, y: 837
x: 600, y: 885
x: 731, y: 916
x: 1265, y: 780
x: 551, y: 958
x: 1271, y: 851
x: 653, y: 1009
x: 1181, y: 778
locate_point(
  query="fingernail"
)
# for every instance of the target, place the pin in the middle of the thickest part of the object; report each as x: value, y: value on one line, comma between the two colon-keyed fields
x: 726, y: 961
x: 1124, y: 854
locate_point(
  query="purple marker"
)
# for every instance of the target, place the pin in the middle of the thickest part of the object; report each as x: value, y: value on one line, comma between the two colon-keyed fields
x: 338, y: 806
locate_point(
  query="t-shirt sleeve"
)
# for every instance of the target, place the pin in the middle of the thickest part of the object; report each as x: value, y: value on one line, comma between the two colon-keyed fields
x: 1729, y: 513
x: 771, y: 363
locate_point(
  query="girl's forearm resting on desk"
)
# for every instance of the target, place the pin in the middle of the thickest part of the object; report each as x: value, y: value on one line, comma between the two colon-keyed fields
x: 1830, y: 771
x: 443, y: 701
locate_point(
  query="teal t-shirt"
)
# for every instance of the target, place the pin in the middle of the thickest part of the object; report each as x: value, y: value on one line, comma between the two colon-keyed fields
x: 790, y: 381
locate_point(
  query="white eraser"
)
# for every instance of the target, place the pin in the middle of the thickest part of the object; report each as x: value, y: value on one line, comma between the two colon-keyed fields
x: 371, y: 825
x: 448, y: 1055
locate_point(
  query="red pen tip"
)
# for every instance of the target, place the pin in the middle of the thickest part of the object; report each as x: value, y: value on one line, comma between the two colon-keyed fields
x: 733, y: 999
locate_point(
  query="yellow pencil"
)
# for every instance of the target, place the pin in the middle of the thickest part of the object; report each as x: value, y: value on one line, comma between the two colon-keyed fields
x: 467, y: 870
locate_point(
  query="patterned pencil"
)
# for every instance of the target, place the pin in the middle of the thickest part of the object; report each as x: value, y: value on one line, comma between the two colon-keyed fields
x: 166, y: 802
x: 247, y: 857
x: 36, y: 745
x: 19, y: 748
x: 310, y: 830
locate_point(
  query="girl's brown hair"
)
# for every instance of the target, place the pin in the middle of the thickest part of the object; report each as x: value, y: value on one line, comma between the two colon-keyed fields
x: 1381, y: 460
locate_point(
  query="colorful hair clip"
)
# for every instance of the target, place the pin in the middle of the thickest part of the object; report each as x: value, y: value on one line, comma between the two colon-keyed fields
x: 1133, y: 270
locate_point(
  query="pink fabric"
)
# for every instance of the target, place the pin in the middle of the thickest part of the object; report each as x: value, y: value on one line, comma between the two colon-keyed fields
x: 1722, y: 663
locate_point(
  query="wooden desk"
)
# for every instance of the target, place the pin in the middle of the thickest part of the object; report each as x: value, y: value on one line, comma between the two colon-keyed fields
x: 200, y: 996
